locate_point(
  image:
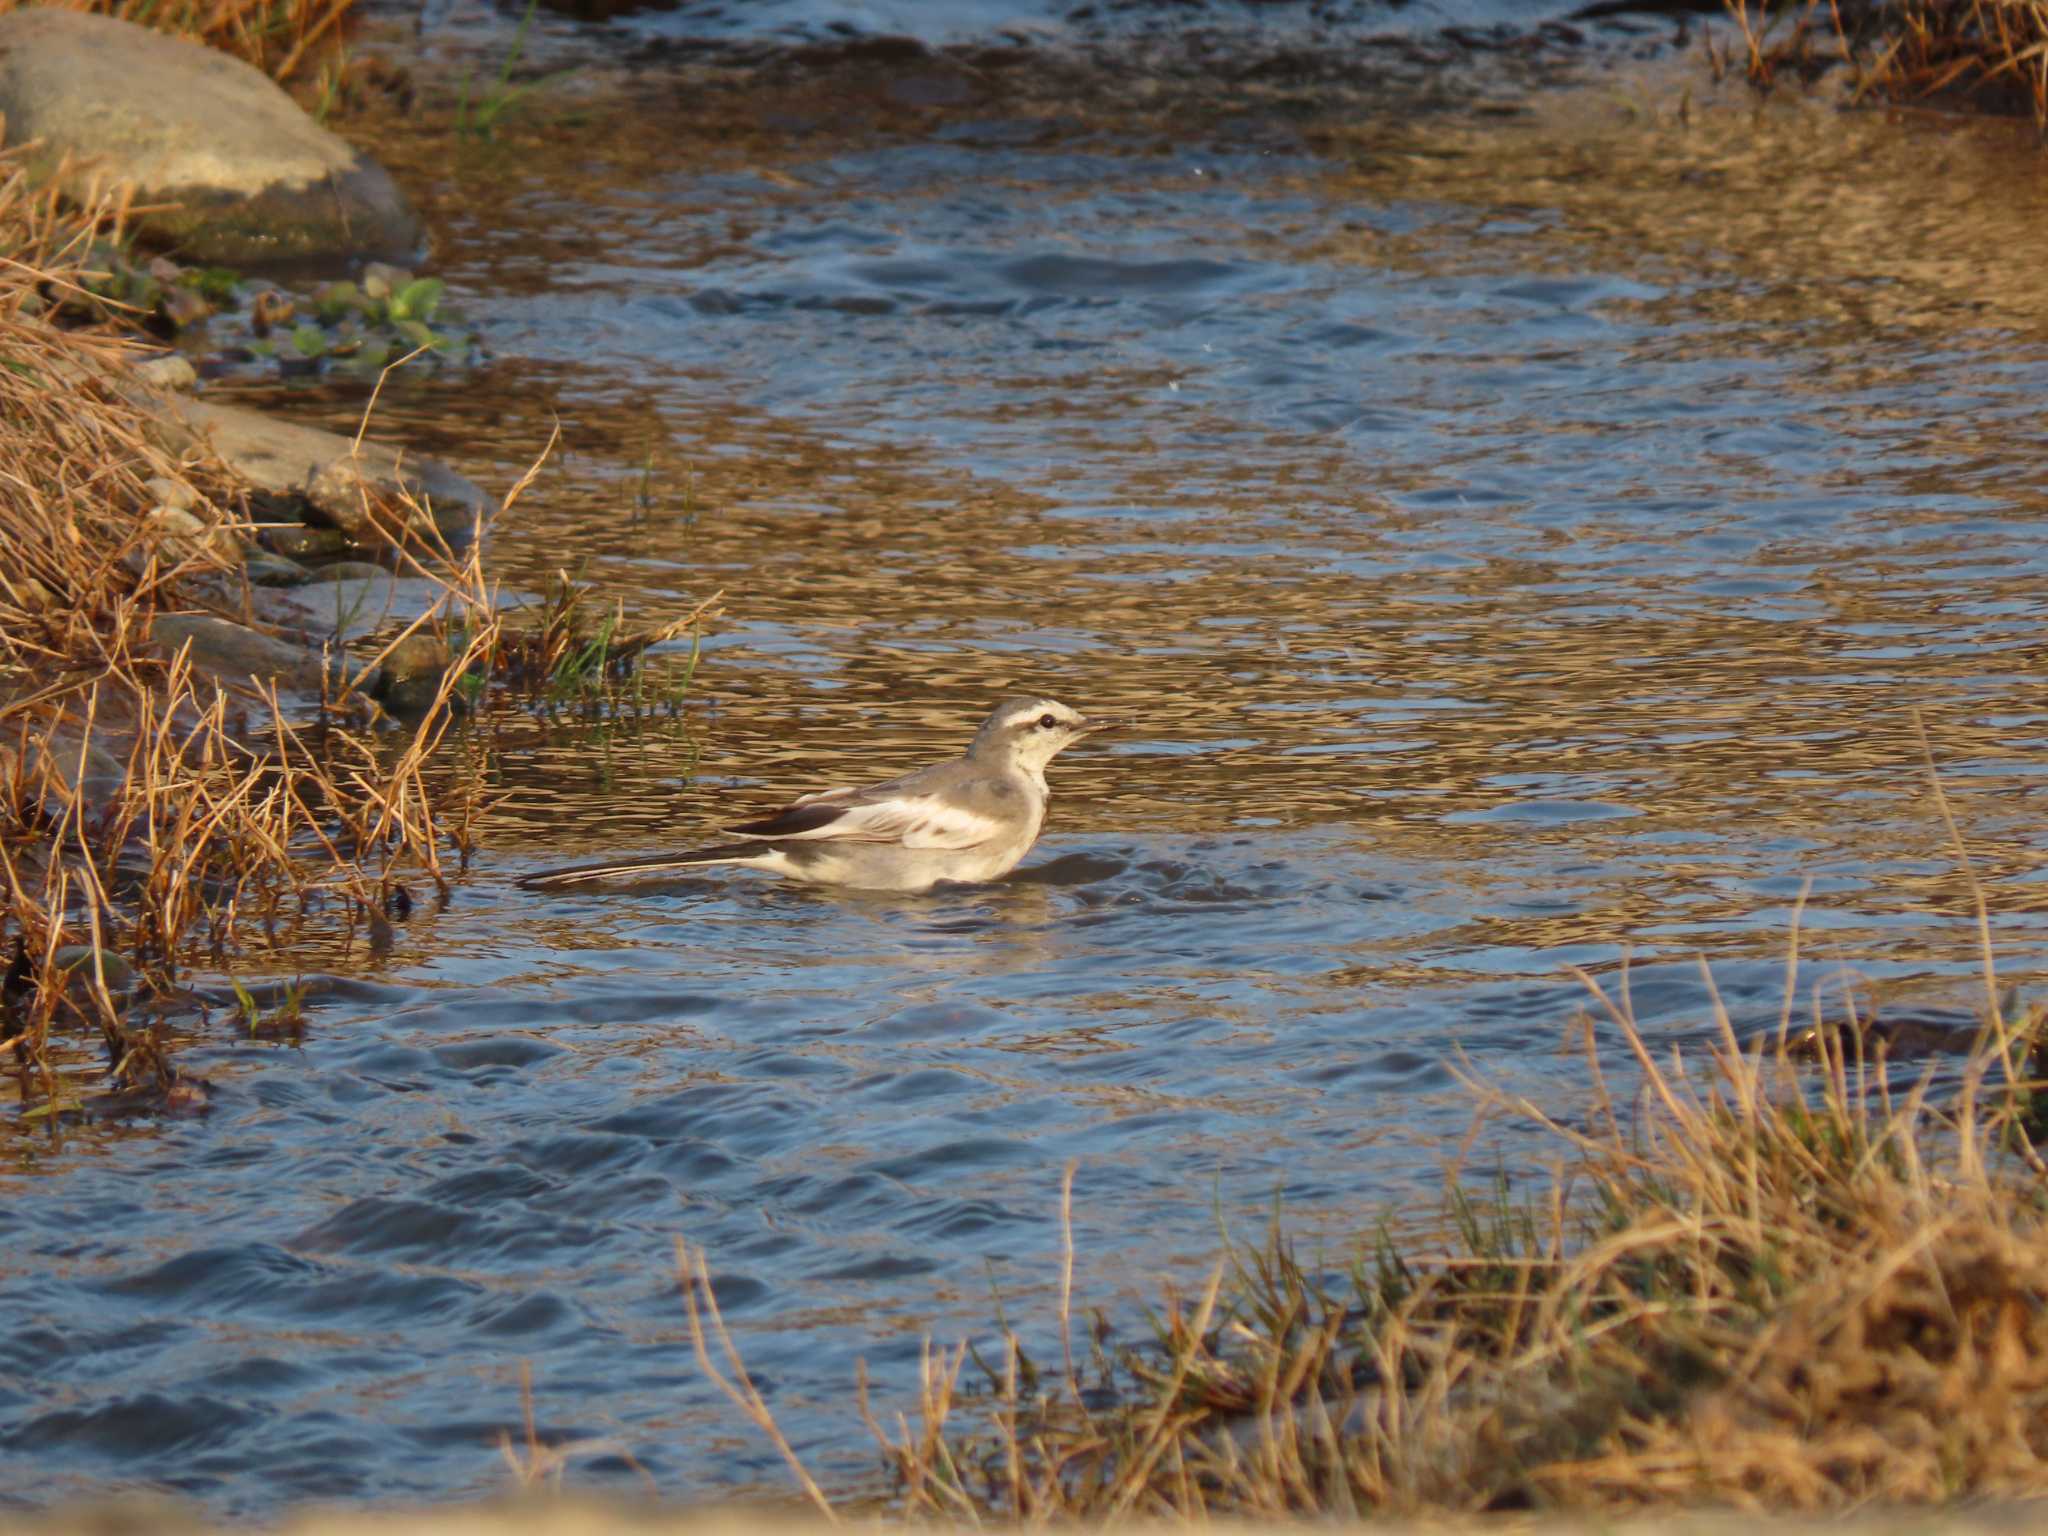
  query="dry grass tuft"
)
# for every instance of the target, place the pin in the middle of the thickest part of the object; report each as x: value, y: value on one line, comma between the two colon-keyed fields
x: 1990, y: 54
x: 1802, y: 39
x: 1750, y: 1282
x: 280, y: 37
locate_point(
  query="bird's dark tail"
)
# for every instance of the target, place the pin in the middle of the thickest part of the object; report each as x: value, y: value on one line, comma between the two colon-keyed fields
x: 652, y: 864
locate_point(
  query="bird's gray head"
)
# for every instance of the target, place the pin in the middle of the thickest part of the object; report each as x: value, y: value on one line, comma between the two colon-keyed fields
x: 1031, y: 732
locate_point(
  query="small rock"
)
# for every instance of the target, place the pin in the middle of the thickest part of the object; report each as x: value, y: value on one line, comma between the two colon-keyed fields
x: 227, y: 167
x: 322, y: 476
x: 235, y: 653
x: 180, y: 536
x: 268, y: 570
x: 176, y: 523
x: 410, y: 679
x: 65, y: 764
x: 171, y: 493
x: 167, y: 370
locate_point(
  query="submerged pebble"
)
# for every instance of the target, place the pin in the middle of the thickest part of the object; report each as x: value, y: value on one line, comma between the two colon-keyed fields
x: 78, y: 962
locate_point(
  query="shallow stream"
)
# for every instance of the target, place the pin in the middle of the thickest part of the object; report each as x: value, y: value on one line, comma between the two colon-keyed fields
x: 1522, y: 531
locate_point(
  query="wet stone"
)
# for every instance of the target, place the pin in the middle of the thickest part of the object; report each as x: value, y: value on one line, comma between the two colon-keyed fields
x: 359, y: 490
x: 343, y: 571
x: 178, y: 535
x: 410, y: 679
x: 234, y: 653
x: 268, y: 570
x: 77, y: 961
x: 66, y: 764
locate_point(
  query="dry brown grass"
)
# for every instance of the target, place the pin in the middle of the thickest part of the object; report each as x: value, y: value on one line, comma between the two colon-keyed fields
x: 1988, y: 54
x: 1751, y: 1281
x: 1802, y: 39
x: 145, y: 812
x: 280, y: 37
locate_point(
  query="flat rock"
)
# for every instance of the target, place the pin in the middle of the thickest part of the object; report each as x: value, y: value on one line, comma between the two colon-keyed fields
x: 406, y: 683
x: 252, y: 177
x: 234, y: 653
x: 322, y: 477
x: 167, y: 370
x: 83, y: 966
x: 268, y: 570
x: 363, y: 601
x: 64, y: 763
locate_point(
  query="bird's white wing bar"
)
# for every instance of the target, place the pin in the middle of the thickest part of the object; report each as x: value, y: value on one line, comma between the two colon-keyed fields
x: 915, y: 821
x: 943, y: 826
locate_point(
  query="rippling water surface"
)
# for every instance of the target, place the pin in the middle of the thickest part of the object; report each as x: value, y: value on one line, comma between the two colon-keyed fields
x: 1522, y: 537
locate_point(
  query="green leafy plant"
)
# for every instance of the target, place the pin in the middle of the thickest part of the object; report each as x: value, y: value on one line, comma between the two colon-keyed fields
x: 389, y: 300
x: 219, y: 286
x: 245, y: 1005
x: 288, y: 1017
x: 360, y: 327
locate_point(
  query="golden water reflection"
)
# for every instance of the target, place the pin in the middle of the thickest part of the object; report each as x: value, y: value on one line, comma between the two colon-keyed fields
x: 1768, y: 490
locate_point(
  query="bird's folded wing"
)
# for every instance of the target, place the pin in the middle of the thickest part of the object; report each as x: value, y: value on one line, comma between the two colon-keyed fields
x: 914, y: 821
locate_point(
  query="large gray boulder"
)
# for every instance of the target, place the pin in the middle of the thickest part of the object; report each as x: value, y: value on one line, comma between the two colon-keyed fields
x: 253, y: 177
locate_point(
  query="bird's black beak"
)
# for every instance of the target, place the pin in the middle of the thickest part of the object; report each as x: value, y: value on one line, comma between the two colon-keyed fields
x: 1094, y: 723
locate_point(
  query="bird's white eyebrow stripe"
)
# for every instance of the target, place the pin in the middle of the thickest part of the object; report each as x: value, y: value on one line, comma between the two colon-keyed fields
x: 1029, y: 714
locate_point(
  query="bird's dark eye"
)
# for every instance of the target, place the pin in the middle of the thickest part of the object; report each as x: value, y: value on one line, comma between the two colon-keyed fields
x: 1046, y: 722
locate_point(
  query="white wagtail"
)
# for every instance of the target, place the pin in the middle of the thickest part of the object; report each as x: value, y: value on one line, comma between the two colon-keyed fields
x: 967, y: 820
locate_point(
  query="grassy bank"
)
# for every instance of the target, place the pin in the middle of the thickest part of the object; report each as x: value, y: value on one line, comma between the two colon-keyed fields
x: 1775, y: 1274
x: 153, y: 818
x: 197, y: 773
